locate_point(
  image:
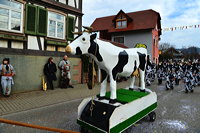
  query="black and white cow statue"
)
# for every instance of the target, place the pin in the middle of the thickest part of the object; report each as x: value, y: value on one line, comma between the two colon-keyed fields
x: 112, y: 60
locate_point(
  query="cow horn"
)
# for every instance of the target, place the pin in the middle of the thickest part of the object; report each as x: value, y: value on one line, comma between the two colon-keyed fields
x: 88, y: 28
x: 85, y: 30
x: 77, y: 33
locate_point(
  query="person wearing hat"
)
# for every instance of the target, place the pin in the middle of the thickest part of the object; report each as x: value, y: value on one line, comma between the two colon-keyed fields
x: 7, y: 72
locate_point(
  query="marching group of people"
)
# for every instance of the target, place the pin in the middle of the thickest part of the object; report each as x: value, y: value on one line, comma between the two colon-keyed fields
x: 174, y: 72
x: 7, y: 72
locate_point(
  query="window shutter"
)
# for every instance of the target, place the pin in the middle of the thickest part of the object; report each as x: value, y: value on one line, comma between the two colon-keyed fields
x: 42, y: 22
x: 31, y: 19
x: 70, y: 28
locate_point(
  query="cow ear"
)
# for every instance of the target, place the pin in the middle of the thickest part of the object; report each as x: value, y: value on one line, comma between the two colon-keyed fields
x: 93, y: 36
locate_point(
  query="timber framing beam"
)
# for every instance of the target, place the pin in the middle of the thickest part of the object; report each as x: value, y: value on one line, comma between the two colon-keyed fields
x: 58, y: 6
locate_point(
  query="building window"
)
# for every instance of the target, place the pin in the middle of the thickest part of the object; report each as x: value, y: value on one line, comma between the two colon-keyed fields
x: 56, y: 25
x: 36, y: 20
x: 119, y: 39
x: 121, y: 22
x: 11, y: 15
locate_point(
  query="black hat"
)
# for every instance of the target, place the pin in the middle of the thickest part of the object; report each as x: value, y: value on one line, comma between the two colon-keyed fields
x: 6, y: 59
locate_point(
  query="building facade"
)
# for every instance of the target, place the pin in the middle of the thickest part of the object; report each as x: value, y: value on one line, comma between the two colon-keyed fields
x: 129, y: 29
x: 31, y: 31
x: 39, y: 24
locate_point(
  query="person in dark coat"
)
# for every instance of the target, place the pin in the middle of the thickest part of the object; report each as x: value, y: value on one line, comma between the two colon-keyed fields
x: 149, y: 64
x: 50, y: 73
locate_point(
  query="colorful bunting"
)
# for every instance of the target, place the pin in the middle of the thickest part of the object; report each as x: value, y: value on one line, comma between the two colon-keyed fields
x: 181, y: 27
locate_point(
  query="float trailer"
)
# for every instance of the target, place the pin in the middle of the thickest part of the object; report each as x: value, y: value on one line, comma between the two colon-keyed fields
x: 101, y: 117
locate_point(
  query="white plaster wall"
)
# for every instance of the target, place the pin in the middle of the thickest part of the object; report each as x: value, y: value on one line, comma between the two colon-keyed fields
x: 17, y: 45
x: 3, y: 43
x: 62, y: 1
x: 42, y: 42
x: 76, y: 22
x: 71, y: 3
x: 77, y: 3
x: 33, y: 43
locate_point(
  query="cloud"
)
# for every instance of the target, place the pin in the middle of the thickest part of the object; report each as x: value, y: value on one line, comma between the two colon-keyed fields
x: 173, y: 13
x: 183, y: 38
x: 186, y: 13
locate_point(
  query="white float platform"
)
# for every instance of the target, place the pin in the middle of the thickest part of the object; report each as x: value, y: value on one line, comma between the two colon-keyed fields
x: 131, y: 106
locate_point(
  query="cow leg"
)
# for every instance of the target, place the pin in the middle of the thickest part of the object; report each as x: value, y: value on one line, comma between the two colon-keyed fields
x: 113, y: 95
x: 142, y: 59
x: 103, y: 84
x: 132, y: 82
x: 142, y: 83
x: 103, y: 88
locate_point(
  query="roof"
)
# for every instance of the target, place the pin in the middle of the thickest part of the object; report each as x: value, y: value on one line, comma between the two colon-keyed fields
x: 115, y: 43
x: 122, y: 12
x: 146, y: 19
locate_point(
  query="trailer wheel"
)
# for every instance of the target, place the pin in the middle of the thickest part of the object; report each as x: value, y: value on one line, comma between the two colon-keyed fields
x: 152, y: 116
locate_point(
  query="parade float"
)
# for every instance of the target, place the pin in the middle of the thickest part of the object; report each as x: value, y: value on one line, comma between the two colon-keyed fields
x: 118, y: 109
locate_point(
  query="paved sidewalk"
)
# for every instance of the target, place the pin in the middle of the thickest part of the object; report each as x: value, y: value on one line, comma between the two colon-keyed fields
x: 36, y: 99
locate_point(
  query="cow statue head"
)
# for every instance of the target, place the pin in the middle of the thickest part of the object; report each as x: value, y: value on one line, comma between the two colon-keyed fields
x: 82, y: 44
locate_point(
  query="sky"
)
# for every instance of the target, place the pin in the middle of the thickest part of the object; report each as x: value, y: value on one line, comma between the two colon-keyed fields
x: 174, y: 13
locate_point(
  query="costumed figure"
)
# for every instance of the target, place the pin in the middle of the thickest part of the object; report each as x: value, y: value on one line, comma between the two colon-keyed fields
x: 170, y: 80
x: 177, y: 73
x: 64, y: 66
x: 7, y: 72
x: 189, y: 78
x: 160, y: 74
x: 148, y: 75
